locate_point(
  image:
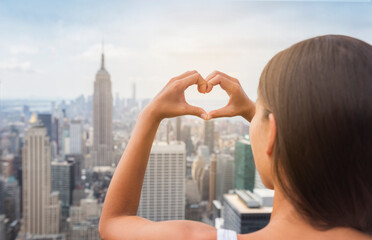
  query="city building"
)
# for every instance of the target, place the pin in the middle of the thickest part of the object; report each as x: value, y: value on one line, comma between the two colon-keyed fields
x: 244, y: 166
x: 65, y: 137
x: 4, y: 227
x: 55, y: 132
x: 12, y: 205
x: 2, y: 194
x: 63, y: 182
x: 41, y: 208
x: 197, y: 168
x: 84, y: 220
x: 178, y: 128
x: 164, y: 187
x: 76, y: 137
x: 204, y: 151
x: 46, y: 120
x: 209, y: 135
x: 225, y: 175
x: 243, y: 214
x: 204, y: 183
x: 102, y: 153
x: 212, y: 181
x: 77, y: 160
x: 186, y: 137
x: 265, y: 195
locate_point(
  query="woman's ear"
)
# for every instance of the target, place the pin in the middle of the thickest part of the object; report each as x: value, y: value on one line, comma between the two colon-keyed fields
x: 271, y: 134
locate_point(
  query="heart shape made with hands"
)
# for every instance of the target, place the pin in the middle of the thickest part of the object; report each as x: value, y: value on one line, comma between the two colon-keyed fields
x: 215, y: 99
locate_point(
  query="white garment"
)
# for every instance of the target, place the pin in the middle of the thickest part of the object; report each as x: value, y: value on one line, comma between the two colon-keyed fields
x: 225, y: 234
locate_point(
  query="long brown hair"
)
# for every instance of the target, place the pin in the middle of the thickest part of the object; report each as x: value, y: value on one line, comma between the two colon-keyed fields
x: 320, y: 92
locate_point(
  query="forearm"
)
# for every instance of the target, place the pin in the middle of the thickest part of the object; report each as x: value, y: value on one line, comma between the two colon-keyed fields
x: 124, y: 192
x: 251, y: 110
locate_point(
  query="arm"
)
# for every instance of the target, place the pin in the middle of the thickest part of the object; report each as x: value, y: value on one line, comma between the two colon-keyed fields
x: 118, y: 218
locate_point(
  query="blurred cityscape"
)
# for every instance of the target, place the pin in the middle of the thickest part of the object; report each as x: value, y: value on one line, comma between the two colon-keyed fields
x: 57, y: 159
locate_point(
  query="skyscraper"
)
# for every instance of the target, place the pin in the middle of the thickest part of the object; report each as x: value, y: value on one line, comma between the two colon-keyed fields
x: 244, y: 167
x: 178, y: 128
x: 102, y: 154
x: 55, y: 132
x: 186, y: 137
x: 76, y: 137
x: 164, y: 187
x: 12, y: 199
x: 63, y: 182
x: 46, y: 119
x: 225, y: 175
x: 212, y: 181
x: 209, y: 135
x: 41, y: 208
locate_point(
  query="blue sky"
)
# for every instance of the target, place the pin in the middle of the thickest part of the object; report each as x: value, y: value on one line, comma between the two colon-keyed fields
x: 51, y: 49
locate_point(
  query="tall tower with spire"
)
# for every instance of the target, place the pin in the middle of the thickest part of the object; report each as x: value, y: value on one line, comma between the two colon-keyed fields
x: 102, y: 154
x: 41, y: 207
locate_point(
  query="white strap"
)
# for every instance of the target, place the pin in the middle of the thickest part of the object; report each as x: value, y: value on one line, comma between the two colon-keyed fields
x: 225, y: 234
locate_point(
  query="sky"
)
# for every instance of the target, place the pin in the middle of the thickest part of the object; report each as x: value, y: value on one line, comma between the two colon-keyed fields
x: 51, y: 49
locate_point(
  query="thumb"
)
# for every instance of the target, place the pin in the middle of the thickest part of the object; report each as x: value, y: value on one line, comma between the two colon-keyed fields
x: 221, y: 112
x: 196, y: 111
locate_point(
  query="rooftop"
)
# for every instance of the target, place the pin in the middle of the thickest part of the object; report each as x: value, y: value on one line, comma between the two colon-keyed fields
x: 240, y: 206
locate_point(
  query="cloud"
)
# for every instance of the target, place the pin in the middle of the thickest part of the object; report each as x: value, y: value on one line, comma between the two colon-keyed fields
x: 17, y: 66
x: 114, y: 51
x: 23, y: 49
x: 148, y: 42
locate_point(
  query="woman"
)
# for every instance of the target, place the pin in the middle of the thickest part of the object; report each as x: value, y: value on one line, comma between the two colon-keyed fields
x: 311, y: 136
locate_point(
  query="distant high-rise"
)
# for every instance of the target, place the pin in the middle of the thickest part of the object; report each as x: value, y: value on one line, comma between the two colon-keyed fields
x: 212, y: 181
x: 225, y: 175
x: 209, y: 135
x: 2, y: 194
x: 55, y: 132
x: 46, y: 120
x: 63, y: 181
x: 12, y: 199
x: 164, y: 187
x: 178, y: 128
x: 77, y: 160
x: 41, y: 208
x: 102, y: 154
x: 244, y: 167
x: 76, y: 137
x: 186, y: 137
x: 204, y: 151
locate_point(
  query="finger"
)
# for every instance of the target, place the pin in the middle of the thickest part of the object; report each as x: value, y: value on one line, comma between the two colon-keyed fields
x: 209, y: 87
x: 211, y: 75
x: 185, y: 74
x: 221, y: 112
x: 196, y: 111
x: 195, y: 78
x: 214, y: 73
x: 225, y: 83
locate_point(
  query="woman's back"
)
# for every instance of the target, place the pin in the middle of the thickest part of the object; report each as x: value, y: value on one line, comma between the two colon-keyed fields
x: 311, y: 138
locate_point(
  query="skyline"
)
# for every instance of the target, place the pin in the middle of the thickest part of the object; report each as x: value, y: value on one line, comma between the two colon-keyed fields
x: 49, y: 47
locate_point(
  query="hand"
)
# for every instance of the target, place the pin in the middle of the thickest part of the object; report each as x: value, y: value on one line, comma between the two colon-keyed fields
x: 239, y: 104
x: 170, y: 101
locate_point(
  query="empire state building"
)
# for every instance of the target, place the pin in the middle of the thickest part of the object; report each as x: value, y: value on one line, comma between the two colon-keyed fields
x: 102, y: 154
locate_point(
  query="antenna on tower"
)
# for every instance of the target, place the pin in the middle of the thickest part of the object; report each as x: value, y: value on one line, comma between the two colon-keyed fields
x: 103, y: 45
x: 103, y: 56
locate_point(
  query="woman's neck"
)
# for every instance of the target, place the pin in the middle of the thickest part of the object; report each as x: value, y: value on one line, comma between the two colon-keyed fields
x: 286, y: 223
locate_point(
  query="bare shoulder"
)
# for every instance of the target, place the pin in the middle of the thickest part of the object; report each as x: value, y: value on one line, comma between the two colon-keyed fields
x: 187, y: 229
x: 248, y: 236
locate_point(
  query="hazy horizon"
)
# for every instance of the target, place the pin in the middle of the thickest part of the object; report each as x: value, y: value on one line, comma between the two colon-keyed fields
x: 51, y: 50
